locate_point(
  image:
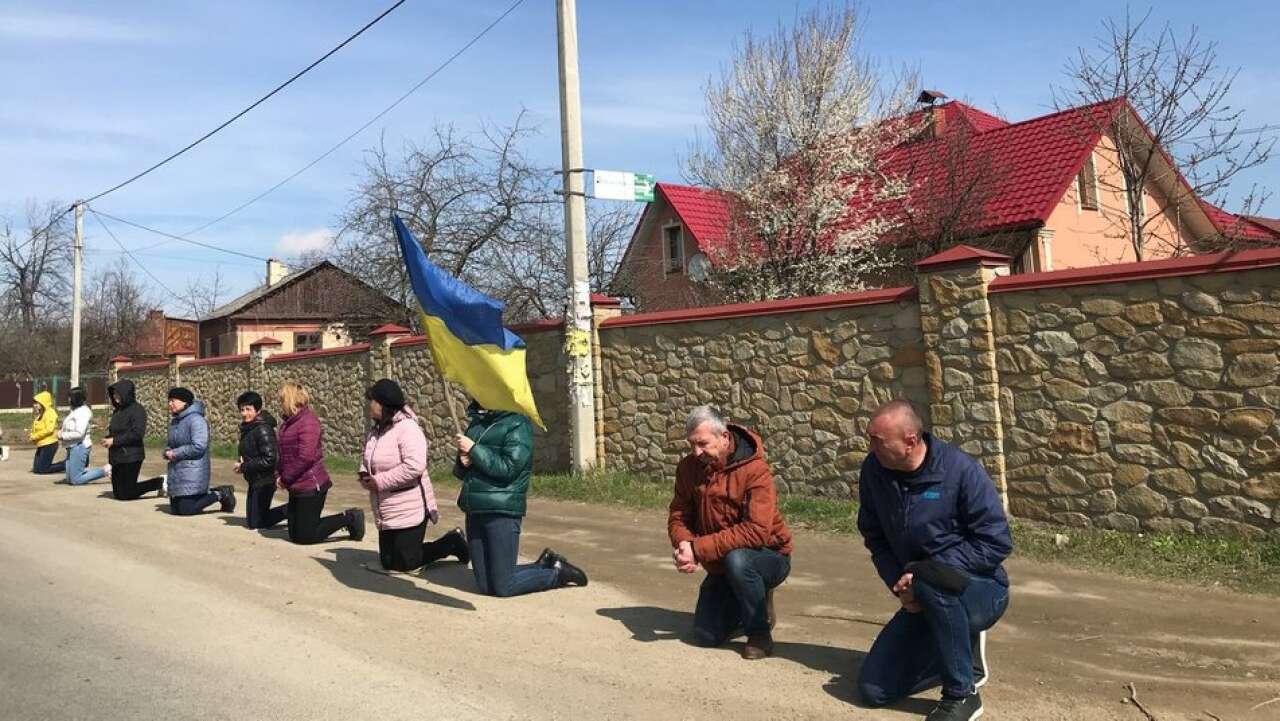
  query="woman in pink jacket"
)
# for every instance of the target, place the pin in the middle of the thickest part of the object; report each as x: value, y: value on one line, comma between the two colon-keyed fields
x: 301, y: 472
x: 394, y: 470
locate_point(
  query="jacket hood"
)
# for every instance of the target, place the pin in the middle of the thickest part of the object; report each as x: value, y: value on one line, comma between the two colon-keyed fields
x: 45, y: 399
x: 748, y: 446
x: 196, y: 407
x: 476, y: 412
x: 121, y: 393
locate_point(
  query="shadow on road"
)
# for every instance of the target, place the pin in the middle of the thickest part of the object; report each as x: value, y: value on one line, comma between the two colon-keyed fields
x: 275, y: 532
x: 348, y: 567
x: 451, y: 574
x: 651, y: 623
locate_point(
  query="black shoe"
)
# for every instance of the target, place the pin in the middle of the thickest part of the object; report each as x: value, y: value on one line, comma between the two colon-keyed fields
x: 569, y: 574
x: 547, y: 559
x: 227, y: 497
x: 949, y: 709
x: 355, y: 523
x: 980, y: 673
x: 458, y: 546
x: 758, y: 646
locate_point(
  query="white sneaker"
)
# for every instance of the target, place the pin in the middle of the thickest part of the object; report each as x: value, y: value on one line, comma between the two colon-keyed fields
x: 106, y: 468
x: 164, y: 485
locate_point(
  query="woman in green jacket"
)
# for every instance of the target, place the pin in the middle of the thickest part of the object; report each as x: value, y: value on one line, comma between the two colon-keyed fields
x: 495, y: 456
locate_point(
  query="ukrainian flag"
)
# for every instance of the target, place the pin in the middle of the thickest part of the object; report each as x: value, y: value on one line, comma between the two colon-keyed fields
x: 465, y: 332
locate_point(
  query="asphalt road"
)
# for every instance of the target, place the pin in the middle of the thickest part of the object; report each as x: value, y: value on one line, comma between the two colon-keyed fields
x: 114, y: 610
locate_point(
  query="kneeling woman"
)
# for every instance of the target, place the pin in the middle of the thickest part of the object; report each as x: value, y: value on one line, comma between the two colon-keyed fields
x: 302, y: 473
x: 495, y: 458
x: 393, y: 469
x: 187, y: 451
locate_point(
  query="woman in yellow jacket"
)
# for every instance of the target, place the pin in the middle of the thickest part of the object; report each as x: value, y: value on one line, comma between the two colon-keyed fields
x: 44, y: 434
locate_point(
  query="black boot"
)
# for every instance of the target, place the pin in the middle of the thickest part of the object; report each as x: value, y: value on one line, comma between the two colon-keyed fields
x: 569, y: 574
x: 227, y: 497
x: 355, y: 523
x: 547, y: 559
x: 458, y: 542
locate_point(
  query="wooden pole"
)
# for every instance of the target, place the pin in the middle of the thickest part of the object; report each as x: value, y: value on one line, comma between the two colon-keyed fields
x: 448, y: 401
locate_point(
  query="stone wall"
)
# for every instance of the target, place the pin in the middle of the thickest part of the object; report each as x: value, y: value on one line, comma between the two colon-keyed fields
x: 1146, y: 405
x: 1137, y: 397
x: 219, y: 385
x: 807, y: 381
x: 152, y: 386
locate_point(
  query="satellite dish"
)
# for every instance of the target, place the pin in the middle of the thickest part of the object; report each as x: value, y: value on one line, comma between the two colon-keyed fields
x: 699, y: 267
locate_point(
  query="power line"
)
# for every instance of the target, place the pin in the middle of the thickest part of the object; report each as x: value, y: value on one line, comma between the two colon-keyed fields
x: 140, y: 226
x: 140, y: 253
x: 255, y: 104
x: 439, y: 68
x: 135, y: 260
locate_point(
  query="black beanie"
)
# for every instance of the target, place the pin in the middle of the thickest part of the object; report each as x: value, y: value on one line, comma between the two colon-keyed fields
x: 387, y: 393
x: 182, y: 394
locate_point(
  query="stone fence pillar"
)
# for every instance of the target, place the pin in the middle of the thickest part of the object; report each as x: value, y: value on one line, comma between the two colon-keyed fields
x: 114, y: 366
x: 380, y: 339
x: 175, y: 367
x: 259, y: 351
x: 960, y: 354
x: 603, y: 308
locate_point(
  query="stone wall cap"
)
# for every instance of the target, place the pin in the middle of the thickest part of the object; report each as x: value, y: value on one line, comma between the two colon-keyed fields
x: 600, y: 299
x: 1224, y: 262
x: 119, y: 359
x: 964, y: 255
x: 265, y: 340
x: 389, y: 329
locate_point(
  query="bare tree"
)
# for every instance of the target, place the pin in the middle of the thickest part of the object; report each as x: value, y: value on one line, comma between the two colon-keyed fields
x: 202, y: 296
x: 799, y: 126
x: 481, y: 210
x: 115, y: 314
x: 1180, y: 90
x: 33, y: 265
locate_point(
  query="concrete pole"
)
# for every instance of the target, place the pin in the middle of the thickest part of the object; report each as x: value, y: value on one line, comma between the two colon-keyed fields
x: 77, y: 271
x: 582, y: 425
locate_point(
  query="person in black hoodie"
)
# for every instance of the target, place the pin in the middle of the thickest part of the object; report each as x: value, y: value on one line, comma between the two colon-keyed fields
x: 123, y: 442
x: 259, y: 456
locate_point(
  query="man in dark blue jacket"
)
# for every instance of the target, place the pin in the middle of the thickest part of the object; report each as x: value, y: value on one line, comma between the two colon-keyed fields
x: 937, y: 533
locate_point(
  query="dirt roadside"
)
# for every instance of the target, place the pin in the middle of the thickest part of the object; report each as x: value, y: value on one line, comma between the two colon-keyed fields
x: 118, y: 610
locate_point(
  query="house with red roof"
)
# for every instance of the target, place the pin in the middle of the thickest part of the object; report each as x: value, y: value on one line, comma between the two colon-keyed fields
x: 1046, y: 191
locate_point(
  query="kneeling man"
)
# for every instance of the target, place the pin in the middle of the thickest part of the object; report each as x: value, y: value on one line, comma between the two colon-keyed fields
x: 937, y: 533
x: 724, y: 517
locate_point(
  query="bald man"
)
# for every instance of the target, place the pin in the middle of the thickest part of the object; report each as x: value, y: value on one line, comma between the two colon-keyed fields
x: 938, y: 535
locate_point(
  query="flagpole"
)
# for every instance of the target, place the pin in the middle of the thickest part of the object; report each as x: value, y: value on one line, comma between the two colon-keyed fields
x: 448, y: 401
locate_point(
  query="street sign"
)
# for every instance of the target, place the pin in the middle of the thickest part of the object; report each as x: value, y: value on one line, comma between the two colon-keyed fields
x: 619, y: 185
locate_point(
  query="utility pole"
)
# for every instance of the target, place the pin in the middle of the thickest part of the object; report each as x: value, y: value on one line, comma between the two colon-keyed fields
x: 76, y: 273
x: 577, y: 329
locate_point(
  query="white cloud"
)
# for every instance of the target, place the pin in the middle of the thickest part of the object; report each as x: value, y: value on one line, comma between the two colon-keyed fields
x: 54, y: 26
x: 297, y: 242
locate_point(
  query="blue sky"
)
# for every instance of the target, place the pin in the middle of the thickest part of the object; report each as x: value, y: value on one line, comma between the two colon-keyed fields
x: 97, y: 91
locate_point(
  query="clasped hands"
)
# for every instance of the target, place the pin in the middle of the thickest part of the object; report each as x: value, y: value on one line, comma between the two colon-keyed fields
x: 682, y: 557
x: 902, y: 589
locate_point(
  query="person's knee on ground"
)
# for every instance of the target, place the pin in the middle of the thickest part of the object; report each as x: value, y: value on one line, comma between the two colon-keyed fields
x: 870, y: 693
x: 706, y: 638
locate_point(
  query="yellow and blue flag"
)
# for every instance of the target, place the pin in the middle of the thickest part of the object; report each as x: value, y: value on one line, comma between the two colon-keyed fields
x: 468, y: 341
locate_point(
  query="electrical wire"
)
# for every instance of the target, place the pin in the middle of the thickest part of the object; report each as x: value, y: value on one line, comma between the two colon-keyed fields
x: 131, y: 257
x: 439, y: 68
x: 255, y: 104
x: 140, y: 226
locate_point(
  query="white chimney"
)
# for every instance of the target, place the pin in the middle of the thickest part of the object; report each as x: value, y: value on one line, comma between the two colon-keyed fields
x: 276, y: 271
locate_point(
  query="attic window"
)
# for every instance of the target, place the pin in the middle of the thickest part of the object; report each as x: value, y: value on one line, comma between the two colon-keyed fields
x: 673, y: 248
x: 1087, y: 185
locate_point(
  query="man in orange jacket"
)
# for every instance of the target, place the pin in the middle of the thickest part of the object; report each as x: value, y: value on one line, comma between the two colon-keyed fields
x: 724, y: 516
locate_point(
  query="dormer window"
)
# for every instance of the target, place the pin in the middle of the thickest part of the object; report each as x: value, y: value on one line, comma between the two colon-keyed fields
x: 673, y: 248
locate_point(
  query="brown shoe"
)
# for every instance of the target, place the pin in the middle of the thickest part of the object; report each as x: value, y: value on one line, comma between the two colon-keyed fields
x: 758, y: 647
x: 768, y: 609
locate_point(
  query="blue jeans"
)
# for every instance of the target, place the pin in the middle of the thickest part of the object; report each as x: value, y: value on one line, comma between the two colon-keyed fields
x: 77, y: 461
x: 916, y: 651
x: 494, y: 543
x: 737, y: 599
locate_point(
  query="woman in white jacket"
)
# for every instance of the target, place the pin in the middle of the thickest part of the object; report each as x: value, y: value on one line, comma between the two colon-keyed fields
x: 75, y: 438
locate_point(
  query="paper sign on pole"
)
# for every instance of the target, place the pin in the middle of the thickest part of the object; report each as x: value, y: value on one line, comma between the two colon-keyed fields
x: 620, y: 185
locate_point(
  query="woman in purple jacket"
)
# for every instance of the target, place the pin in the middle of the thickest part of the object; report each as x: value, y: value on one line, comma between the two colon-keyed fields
x: 302, y: 473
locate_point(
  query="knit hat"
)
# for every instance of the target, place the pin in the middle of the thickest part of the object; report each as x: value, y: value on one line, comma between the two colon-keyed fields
x: 182, y: 394
x: 387, y: 393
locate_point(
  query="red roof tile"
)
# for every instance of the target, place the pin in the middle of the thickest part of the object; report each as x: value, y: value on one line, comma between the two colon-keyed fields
x: 1029, y: 165
x: 704, y: 212
x: 1241, y: 227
